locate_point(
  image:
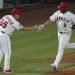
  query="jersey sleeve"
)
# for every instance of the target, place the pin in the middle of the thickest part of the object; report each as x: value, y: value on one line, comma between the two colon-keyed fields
x: 53, y: 17
x: 17, y: 25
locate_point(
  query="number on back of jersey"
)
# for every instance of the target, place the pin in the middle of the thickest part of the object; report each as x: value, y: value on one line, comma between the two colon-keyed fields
x: 3, y: 23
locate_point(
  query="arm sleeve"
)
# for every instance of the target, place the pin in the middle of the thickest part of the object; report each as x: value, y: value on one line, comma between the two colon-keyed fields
x: 53, y: 17
x: 17, y: 25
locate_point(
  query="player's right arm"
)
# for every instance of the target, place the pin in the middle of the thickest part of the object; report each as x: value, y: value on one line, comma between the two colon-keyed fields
x: 18, y: 26
x: 48, y: 22
x: 29, y: 29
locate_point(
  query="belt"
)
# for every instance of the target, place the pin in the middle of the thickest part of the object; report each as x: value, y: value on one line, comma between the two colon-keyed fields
x: 2, y: 31
x: 62, y: 32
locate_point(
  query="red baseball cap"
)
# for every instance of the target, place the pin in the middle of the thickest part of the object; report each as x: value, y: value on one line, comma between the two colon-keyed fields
x: 63, y: 6
x: 16, y: 11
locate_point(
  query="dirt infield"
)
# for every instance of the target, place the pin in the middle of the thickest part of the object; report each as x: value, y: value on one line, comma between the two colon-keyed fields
x: 70, y: 58
x: 61, y: 73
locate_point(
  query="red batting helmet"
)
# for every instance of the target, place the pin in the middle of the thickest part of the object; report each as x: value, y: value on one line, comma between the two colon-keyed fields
x: 63, y: 6
x: 16, y: 11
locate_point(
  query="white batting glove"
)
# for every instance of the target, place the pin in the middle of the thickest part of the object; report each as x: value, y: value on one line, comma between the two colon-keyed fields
x: 40, y: 27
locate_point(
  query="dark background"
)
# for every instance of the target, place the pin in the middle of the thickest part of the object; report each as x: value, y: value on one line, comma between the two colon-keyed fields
x: 38, y: 13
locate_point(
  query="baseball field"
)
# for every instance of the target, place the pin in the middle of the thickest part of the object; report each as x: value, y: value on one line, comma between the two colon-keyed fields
x: 33, y: 52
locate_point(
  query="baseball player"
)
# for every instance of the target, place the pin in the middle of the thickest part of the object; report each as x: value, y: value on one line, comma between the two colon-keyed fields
x: 8, y: 24
x: 64, y: 20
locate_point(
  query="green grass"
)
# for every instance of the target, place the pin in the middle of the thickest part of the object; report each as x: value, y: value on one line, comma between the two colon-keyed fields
x: 31, y: 51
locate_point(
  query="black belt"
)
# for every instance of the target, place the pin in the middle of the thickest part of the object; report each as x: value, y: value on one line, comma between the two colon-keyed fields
x: 62, y: 32
x: 2, y: 31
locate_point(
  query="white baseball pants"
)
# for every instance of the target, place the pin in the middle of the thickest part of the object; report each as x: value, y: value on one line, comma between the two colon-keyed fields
x: 63, y: 40
x: 5, y: 50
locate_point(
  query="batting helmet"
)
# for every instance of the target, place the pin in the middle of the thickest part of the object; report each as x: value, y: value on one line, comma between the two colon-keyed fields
x: 16, y: 11
x: 63, y: 6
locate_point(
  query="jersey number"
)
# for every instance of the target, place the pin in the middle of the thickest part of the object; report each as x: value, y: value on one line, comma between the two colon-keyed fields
x: 3, y: 23
x: 65, y: 25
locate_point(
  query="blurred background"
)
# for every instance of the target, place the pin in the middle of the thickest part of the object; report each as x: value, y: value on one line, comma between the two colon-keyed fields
x: 19, y: 3
x: 34, y: 11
